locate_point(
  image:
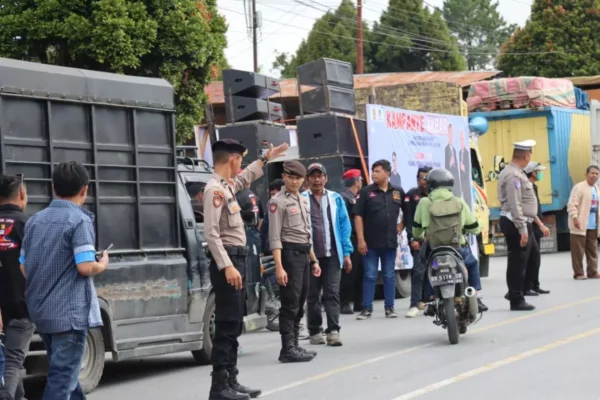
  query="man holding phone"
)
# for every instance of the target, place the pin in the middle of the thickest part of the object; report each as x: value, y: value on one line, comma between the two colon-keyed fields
x: 58, y: 259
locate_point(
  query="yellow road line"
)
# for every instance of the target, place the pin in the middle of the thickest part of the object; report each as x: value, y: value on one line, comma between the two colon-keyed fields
x: 360, y: 364
x: 497, y: 364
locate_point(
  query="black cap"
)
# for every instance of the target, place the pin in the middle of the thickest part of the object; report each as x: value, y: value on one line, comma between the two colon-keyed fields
x: 316, y: 167
x: 294, y: 168
x: 230, y: 146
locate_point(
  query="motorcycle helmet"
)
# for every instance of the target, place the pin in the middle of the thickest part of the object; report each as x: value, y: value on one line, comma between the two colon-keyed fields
x: 439, y: 178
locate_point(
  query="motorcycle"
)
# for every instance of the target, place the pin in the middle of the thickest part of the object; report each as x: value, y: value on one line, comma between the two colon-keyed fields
x: 455, y: 306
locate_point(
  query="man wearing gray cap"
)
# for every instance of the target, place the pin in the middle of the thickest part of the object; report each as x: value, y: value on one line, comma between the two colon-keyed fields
x: 533, y: 170
x: 519, y: 207
x: 331, y: 231
x: 291, y: 245
x: 226, y: 240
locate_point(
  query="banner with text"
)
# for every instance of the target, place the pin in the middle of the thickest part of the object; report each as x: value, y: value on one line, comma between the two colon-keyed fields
x: 412, y: 139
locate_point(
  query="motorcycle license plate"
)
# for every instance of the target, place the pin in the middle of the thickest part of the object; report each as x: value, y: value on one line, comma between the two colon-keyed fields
x: 446, y: 279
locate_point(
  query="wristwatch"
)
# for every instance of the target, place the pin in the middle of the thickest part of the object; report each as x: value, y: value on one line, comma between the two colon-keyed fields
x: 313, y: 263
x: 263, y: 159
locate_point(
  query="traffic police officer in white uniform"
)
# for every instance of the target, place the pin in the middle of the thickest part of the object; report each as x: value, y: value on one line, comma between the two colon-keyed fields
x: 519, y: 207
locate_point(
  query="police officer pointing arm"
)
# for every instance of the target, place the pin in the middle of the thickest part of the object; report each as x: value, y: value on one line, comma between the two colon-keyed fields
x: 226, y: 240
x: 519, y: 207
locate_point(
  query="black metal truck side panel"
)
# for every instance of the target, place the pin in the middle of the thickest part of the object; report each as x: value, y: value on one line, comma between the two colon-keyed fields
x: 122, y: 129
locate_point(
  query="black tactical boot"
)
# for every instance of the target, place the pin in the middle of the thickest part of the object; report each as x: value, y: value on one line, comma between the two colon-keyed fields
x: 521, y: 305
x: 289, y: 353
x: 297, y: 344
x: 235, y: 385
x: 220, y: 390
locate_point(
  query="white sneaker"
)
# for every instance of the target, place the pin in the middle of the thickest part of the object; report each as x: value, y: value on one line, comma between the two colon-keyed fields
x: 412, y: 313
x: 317, y: 339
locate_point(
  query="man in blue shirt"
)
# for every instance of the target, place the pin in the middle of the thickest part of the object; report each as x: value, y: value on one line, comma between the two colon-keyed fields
x: 58, y: 259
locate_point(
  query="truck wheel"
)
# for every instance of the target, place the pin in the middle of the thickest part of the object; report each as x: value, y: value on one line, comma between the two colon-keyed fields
x: 92, y: 364
x: 484, y: 265
x: 202, y: 356
x: 403, y: 283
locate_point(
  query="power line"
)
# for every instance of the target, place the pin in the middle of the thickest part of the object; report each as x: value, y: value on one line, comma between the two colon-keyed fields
x: 390, y: 44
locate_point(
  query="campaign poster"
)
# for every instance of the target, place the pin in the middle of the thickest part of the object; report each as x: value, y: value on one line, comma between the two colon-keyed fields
x: 411, y: 139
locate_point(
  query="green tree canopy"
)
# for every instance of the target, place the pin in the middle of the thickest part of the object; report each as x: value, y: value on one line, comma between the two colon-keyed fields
x: 409, y: 37
x: 181, y: 41
x: 332, y: 36
x: 560, y: 39
x: 479, y: 29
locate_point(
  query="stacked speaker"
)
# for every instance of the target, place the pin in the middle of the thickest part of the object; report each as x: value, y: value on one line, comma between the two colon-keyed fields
x: 250, y: 114
x: 325, y: 130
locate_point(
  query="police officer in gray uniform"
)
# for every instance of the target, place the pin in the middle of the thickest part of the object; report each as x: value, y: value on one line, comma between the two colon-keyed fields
x: 519, y: 207
x: 226, y: 239
x: 291, y: 244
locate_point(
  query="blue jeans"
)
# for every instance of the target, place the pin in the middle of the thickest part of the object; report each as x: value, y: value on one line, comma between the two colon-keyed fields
x: 65, y: 352
x: 388, y: 270
x: 472, y: 267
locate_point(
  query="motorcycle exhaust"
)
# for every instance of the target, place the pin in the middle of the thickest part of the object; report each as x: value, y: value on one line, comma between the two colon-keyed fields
x: 471, y: 294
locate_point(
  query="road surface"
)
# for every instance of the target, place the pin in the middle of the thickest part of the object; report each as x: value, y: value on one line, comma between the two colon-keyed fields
x: 550, y: 353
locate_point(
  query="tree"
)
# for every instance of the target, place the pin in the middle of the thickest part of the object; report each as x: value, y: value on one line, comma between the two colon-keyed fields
x: 332, y: 36
x: 409, y: 37
x: 479, y: 29
x: 559, y: 40
x: 179, y: 40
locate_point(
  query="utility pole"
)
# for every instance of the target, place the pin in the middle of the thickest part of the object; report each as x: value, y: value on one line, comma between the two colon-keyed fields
x: 254, y: 41
x: 359, y: 38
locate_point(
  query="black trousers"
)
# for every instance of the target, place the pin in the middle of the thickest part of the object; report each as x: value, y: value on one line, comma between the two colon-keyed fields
x: 328, y: 284
x: 518, y: 258
x: 532, y: 274
x: 229, y: 311
x: 351, y: 286
x: 296, y: 263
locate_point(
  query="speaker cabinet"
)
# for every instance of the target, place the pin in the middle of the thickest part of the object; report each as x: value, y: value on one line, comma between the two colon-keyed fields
x: 249, y: 84
x: 255, y: 135
x: 326, y: 71
x: 249, y: 109
x: 329, y: 134
x: 329, y: 98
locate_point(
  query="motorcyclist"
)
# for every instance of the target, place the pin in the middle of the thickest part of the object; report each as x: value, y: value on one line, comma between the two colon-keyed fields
x: 439, y: 186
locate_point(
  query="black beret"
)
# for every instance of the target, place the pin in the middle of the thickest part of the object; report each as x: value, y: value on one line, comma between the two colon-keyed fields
x: 230, y: 146
x: 294, y: 168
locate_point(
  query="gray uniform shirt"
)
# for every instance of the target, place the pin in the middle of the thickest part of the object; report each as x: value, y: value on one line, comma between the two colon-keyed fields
x: 223, y: 224
x: 517, y: 196
x: 289, y: 220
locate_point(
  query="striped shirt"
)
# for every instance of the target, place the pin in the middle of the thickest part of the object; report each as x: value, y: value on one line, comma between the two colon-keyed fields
x: 56, y: 239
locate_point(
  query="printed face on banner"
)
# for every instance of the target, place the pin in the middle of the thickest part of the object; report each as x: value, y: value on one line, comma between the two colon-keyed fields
x: 411, y: 140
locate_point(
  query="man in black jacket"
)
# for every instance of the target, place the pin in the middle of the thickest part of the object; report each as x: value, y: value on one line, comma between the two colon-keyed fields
x: 351, y: 284
x: 533, y: 170
x: 14, y: 317
x: 418, y: 280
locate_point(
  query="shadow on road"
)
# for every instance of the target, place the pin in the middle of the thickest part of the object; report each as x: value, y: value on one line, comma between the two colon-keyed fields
x: 116, y: 373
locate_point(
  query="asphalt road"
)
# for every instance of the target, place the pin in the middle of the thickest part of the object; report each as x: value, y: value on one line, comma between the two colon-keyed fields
x: 550, y: 353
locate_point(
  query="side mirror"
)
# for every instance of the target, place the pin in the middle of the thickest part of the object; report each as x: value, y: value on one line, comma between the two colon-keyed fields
x: 499, y: 163
x: 492, y: 176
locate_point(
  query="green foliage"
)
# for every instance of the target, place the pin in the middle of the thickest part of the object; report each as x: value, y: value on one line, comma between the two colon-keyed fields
x: 181, y: 41
x: 479, y: 29
x: 332, y: 36
x: 411, y: 38
x: 561, y: 38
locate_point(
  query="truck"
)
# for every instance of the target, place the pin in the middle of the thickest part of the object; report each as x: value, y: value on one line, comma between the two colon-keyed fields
x: 564, y: 146
x: 155, y: 297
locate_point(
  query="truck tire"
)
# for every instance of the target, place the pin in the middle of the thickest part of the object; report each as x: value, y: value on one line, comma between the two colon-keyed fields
x: 92, y: 364
x: 202, y: 356
x: 403, y: 283
x: 484, y: 265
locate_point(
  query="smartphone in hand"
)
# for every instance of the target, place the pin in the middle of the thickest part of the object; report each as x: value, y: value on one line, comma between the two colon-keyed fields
x: 99, y: 255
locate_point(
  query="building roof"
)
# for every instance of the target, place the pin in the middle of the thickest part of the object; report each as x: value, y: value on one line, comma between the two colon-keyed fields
x: 214, y: 90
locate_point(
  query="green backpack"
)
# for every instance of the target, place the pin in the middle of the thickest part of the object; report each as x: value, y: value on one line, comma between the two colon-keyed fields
x: 445, y: 226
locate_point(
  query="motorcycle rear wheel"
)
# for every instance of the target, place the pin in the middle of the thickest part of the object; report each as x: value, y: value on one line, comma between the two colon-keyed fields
x: 451, y: 323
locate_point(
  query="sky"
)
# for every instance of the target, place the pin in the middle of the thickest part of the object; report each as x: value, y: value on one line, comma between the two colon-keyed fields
x: 286, y: 22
